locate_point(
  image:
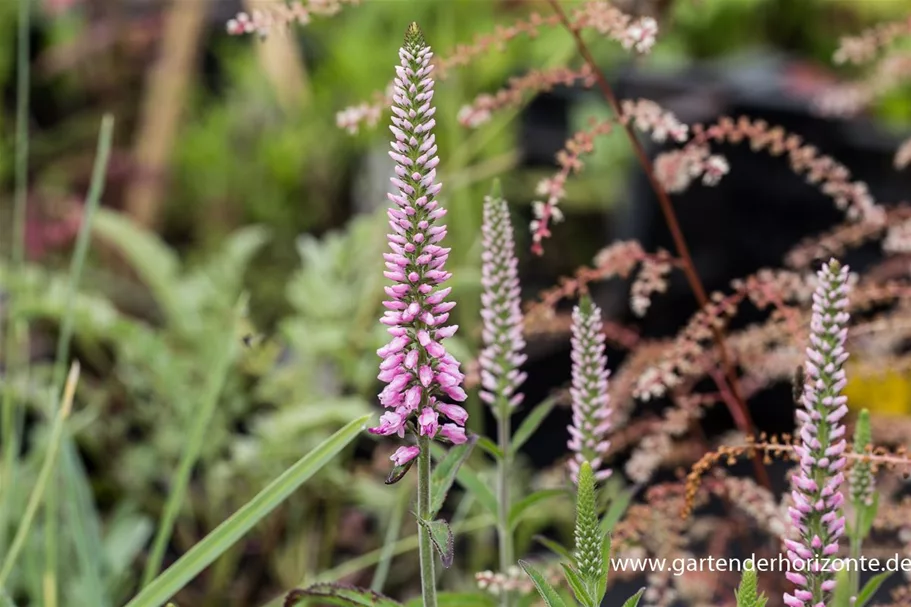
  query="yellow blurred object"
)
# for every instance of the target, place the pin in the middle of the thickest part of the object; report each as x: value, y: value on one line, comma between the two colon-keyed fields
x: 887, y: 393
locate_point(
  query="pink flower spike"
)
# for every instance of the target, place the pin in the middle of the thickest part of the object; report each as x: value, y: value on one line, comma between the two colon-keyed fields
x: 501, y: 308
x: 816, y: 485
x: 419, y: 372
x: 590, y: 399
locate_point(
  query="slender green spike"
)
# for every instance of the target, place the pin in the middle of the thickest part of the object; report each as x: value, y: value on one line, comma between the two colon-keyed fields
x: 589, y: 556
x: 747, y: 594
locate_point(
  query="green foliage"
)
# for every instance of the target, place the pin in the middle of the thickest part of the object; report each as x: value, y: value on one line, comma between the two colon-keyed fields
x: 444, y: 474
x: 202, y: 554
x: 747, y: 594
x: 547, y: 592
x: 338, y: 594
x: 442, y: 538
x: 866, y: 593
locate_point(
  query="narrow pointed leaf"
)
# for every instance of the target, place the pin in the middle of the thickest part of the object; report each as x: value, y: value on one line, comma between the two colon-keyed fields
x: 605, y: 555
x: 867, y: 516
x: 870, y: 588
x: 442, y: 538
x: 577, y: 585
x: 633, y: 601
x: 842, y: 595
x: 490, y: 447
x: 531, y: 423
x: 547, y: 592
x: 225, y: 535
x: 615, y: 510
x: 556, y: 548
x: 445, y: 473
x: 522, y: 507
x: 339, y: 594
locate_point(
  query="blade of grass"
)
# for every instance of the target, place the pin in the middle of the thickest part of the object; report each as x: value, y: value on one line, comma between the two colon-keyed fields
x: 225, y: 535
x: 16, y: 339
x: 92, y: 200
x: 44, y: 475
x: 224, y: 355
x: 396, y: 518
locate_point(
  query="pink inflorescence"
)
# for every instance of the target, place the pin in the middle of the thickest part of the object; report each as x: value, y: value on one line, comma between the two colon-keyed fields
x: 590, y: 400
x: 416, y: 367
x: 501, y: 309
x: 816, y: 513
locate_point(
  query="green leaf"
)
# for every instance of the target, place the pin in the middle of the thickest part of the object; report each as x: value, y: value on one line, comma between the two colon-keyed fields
x: 870, y: 588
x: 445, y: 473
x: 547, y: 592
x: 522, y: 507
x: 155, y: 263
x: 556, y: 548
x: 531, y: 423
x: 842, y: 595
x: 577, y: 585
x: 634, y: 600
x: 225, y: 535
x: 615, y: 510
x: 458, y: 599
x: 339, y: 594
x: 867, y: 516
x: 441, y: 535
x: 605, y: 556
x: 473, y: 483
x: 490, y: 447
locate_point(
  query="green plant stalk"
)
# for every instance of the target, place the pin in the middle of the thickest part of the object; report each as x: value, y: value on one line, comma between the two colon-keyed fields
x: 856, y: 544
x: 425, y: 548
x: 192, y: 450
x: 92, y: 200
x: 16, y: 356
x: 507, y: 558
x: 50, y: 459
x: 225, y: 535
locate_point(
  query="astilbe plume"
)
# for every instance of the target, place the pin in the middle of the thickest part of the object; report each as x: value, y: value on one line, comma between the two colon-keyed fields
x: 817, y: 497
x: 590, y: 399
x: 270, y: 16
x: 416, y: 367
x: 501, y: 309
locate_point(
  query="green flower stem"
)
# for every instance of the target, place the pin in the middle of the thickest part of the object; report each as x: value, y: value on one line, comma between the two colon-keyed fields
x: 507, y: 558
x: 425, y: 547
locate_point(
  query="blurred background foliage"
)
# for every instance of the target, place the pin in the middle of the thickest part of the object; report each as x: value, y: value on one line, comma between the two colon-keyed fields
x: 229, y: 176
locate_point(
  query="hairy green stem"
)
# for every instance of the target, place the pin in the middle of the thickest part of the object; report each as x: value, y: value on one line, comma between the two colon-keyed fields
x: 425, y: 547
x: 507, y: 559
x: 856, y: 543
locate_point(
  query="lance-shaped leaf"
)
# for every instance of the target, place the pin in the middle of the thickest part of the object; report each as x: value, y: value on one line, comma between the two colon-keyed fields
x: 633, y: 601
x: 445, y: 474
x: 547, y: 592
x: 339, y: 594
x: 870, y: 588
x: 442, y: 538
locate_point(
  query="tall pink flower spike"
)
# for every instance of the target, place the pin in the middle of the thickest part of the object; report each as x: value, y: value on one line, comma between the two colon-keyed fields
x: 590, y: 400
x: 816, y: 513
x: 416, y: 367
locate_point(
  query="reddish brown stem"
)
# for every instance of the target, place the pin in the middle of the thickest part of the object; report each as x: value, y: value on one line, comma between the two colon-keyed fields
x: 737, y: 407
